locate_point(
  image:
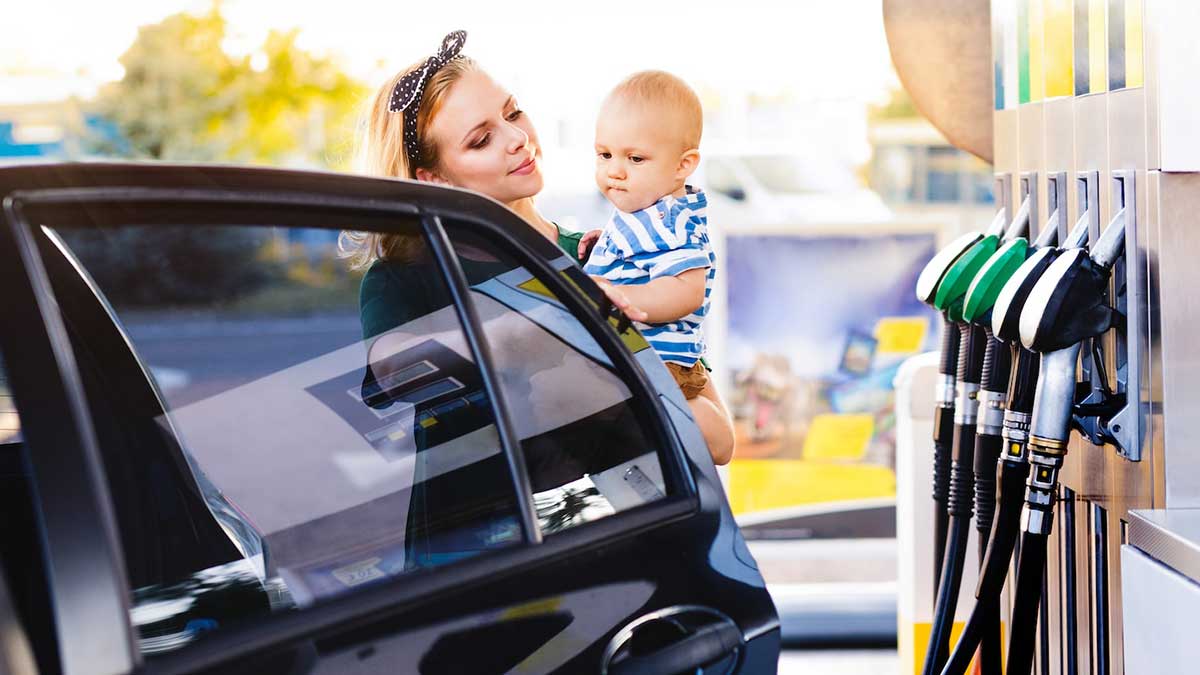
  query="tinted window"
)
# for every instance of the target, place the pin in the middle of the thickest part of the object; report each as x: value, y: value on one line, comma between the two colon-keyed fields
x: 587, y: 452
x: 321, y: 428
x: 308, y: 446
x: 10, y: 424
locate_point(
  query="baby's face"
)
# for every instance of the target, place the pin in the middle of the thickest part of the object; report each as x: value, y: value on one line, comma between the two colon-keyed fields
x: 637, y: 157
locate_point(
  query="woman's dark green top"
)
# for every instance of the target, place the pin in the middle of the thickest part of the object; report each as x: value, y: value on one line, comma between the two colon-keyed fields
x: 395, y: 293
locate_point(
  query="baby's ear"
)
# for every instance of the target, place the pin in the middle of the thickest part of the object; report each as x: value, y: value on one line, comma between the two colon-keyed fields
x: 688, y: 162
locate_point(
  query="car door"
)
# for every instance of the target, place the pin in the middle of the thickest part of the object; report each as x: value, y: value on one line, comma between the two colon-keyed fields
x: 495, y: 476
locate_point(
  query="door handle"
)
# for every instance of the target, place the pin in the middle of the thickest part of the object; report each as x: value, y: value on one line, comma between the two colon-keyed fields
x: 701, y: 648
x: 702, y: 637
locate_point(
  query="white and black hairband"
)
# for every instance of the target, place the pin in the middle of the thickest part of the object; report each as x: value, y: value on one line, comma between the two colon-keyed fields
x: 406, y: 96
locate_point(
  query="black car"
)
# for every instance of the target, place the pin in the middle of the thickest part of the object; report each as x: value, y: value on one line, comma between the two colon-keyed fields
x: 206, y: 468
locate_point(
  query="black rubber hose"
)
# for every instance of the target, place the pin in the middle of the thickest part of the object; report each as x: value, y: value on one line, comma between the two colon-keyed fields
x: 973, y: 343
x: 950, y: 343
x: 970, y: 353
x: 997, y: 364
x: 989, y: 444
x: 1023, y: 627
x: 947, y: 597
x: 1010, y: 493
x: 943, y: 435
x: 1022, y: 385
x: 987, y: 452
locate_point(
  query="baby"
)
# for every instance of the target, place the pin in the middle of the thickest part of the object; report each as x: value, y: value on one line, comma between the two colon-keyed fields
x: 656, y: 243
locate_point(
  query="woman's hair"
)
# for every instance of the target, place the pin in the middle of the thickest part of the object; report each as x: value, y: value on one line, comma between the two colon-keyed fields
x: 381, y: 153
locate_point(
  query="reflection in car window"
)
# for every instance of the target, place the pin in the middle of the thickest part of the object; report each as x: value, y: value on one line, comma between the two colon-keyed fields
x: 303, y: 451
x: 587, y: 454
x: 310, y: 429
x: 10, y: 424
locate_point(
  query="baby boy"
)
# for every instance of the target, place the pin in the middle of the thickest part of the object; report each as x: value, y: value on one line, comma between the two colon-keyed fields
x: 656, y: 243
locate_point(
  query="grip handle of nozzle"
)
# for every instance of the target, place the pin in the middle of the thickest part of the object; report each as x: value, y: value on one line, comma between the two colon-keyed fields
x: 1020, y: 222
x: 1111, y: 243
x: 1055, y: 396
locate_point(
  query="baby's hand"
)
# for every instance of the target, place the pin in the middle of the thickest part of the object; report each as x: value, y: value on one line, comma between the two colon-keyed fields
x: 619, y: 299
x: 586, y: 242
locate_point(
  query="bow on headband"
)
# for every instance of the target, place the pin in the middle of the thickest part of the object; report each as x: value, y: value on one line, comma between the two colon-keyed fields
x: 406, y: 96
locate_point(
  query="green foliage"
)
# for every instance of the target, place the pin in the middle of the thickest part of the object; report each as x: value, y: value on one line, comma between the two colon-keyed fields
x: 146, y: 266
x: 184, y: 98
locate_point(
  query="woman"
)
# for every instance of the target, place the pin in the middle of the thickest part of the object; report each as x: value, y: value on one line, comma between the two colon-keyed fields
x: 445, y: 121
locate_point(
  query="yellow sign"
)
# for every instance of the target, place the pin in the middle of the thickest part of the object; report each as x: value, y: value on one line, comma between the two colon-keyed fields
x: 1060, y: 48
x: 763, y: 484
x: 832, y: 436
x: 900, y: 335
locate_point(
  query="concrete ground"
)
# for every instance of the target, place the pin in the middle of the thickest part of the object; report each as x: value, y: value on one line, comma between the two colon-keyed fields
x: 839, y: 662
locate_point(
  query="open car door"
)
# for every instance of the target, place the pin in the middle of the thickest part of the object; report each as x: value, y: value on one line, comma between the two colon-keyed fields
x: 251, y: 465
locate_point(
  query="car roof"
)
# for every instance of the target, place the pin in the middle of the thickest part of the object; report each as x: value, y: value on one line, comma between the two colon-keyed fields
x: 338, y: 189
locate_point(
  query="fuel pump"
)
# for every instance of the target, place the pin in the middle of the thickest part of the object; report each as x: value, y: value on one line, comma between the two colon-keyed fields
x: 974, y: 366
x: 943, y: 420
x: 996, y: 298
x: 1066, y: 307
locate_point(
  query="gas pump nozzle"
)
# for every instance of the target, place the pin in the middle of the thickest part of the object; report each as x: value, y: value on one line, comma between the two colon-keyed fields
x: 1065, y: 307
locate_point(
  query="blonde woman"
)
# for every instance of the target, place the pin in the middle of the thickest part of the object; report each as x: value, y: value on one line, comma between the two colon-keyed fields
x: 445, y: 121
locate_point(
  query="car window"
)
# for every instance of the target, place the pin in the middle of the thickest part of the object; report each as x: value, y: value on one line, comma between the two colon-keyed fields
x: 321, y: 473
x: 326, y: 427
x: 10, y: 423
x: 587, y: 450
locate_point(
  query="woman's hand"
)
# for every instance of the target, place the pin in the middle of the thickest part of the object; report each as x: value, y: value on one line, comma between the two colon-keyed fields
x: 617, y: 298
x: 586, y: 242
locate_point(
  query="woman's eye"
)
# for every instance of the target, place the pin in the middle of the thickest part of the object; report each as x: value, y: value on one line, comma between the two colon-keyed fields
x: 482, y: 141
x: 515, y: 115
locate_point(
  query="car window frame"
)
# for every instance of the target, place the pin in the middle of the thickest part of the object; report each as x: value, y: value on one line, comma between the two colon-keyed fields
x: 75, y: 515
x: 214, y: 206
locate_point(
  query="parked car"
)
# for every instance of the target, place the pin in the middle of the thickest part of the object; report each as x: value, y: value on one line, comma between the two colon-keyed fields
x: 773, y: 188
x: 510, y: 482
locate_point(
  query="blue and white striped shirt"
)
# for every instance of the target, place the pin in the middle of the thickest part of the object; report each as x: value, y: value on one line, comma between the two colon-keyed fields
x: 665, y: 239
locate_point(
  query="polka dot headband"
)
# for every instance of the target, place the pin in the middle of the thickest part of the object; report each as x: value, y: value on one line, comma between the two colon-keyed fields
x: 406, y: 96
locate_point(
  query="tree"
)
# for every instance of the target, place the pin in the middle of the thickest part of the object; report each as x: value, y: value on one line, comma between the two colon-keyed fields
x: 183, y: 97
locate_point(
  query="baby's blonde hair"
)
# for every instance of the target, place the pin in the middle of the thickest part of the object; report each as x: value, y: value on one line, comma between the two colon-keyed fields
x: 661, y: 90
x: 381, y: 153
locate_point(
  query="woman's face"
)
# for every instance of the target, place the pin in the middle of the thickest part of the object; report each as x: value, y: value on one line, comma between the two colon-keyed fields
x: 485, y: 142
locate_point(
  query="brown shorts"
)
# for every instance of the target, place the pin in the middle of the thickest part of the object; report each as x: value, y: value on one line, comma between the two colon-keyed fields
x: 690, y: 380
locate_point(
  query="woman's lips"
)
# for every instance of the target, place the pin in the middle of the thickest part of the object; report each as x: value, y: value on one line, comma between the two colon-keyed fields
x: 525, y: 168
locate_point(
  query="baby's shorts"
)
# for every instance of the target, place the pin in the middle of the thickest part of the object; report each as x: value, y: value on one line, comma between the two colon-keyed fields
x: 690, y: 380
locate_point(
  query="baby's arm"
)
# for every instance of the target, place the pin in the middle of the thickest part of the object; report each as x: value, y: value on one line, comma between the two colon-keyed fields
x: 667, y: 299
